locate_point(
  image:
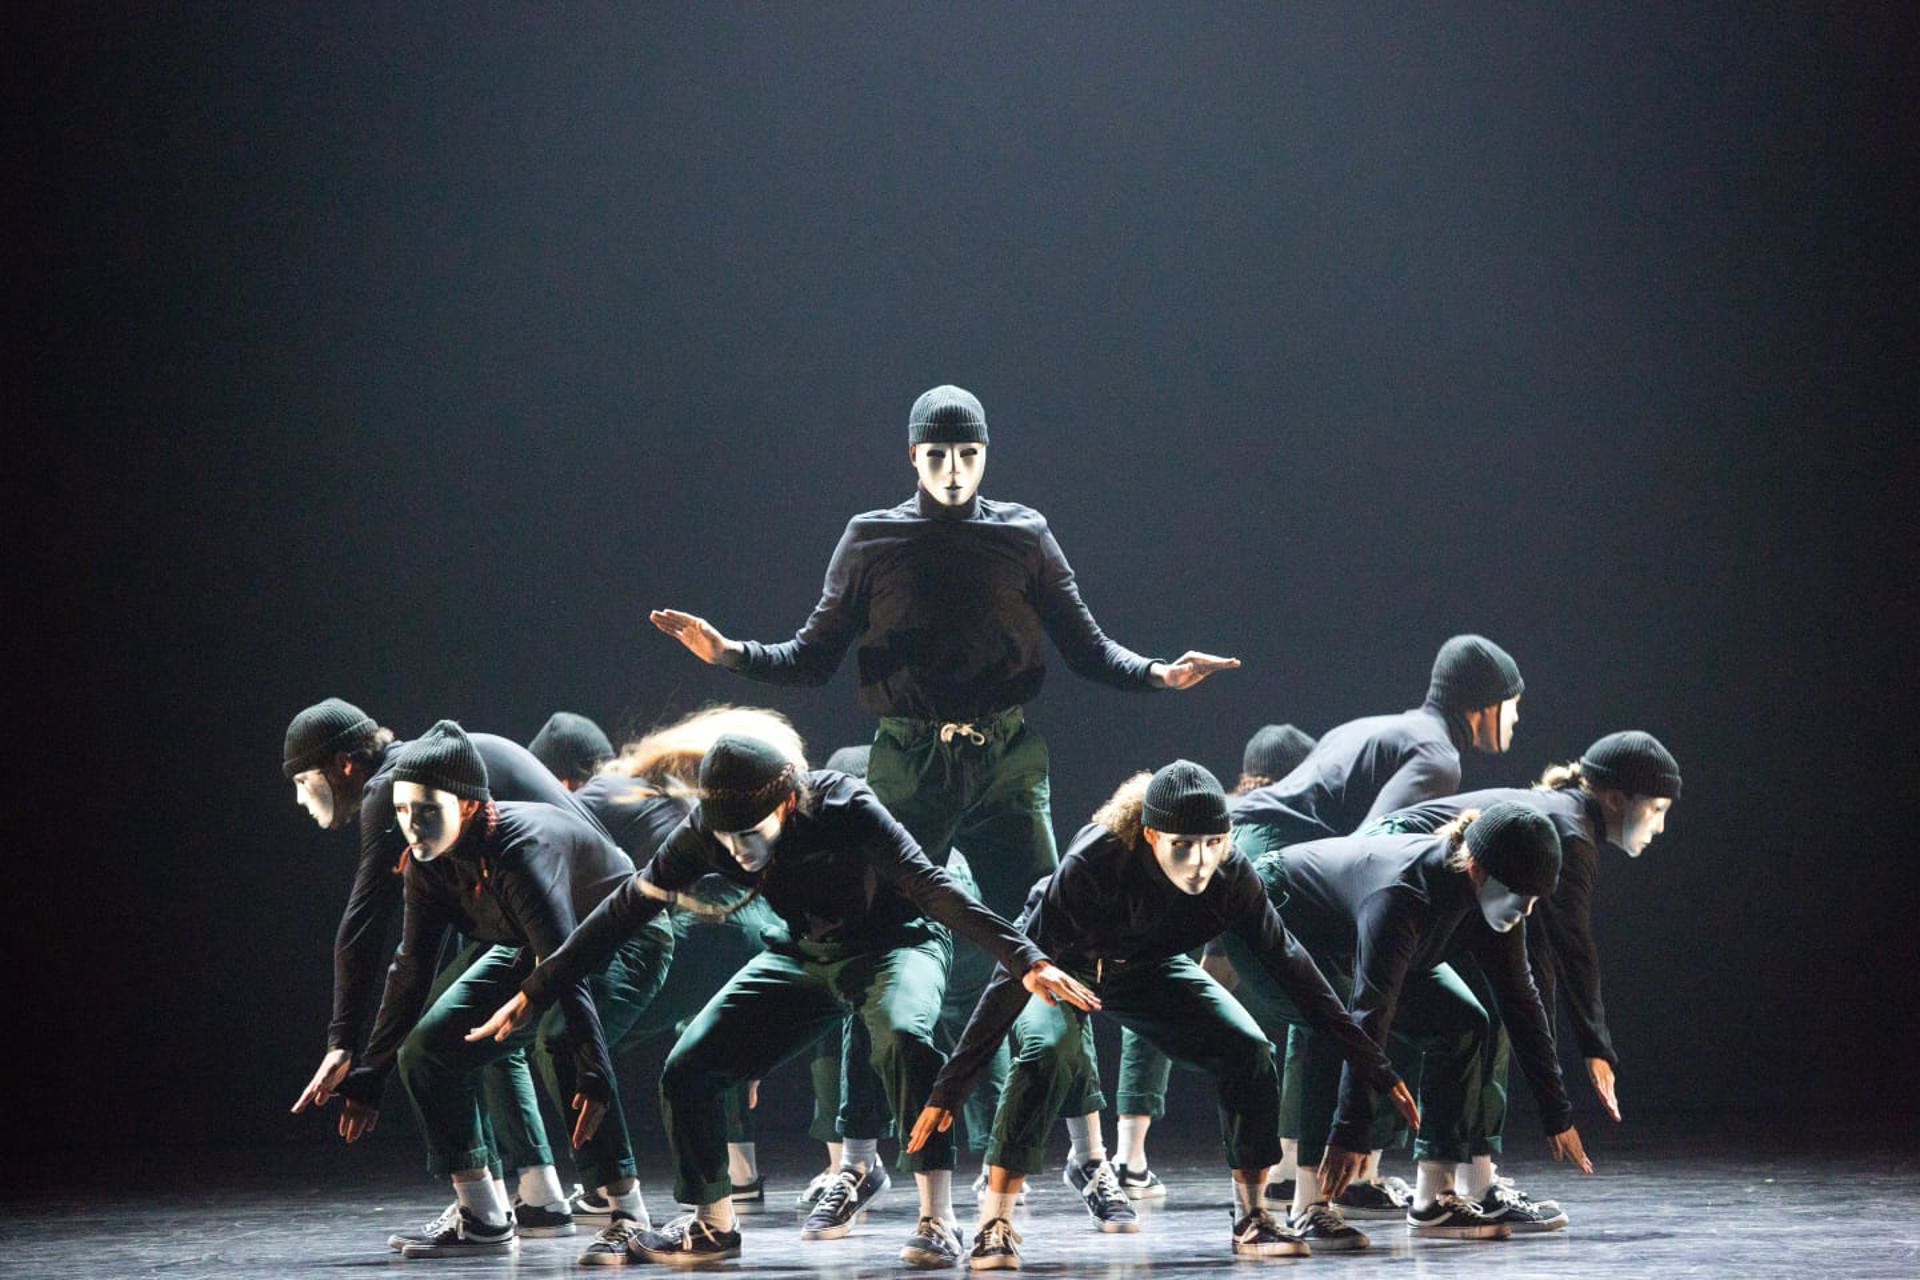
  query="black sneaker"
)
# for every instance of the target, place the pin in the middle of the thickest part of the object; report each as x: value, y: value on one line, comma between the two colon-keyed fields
x: 1280, y: 1192
x: 1143, y: 1184
x: 1503, y: 1181
x: 542, y: 1220
x: 750, y: 1195
x: 932, y: 1244
x: 465, y: 1236
x: 1510, y: 1205
x: 1099, y: 1189
x: 1374, y: 1199
x: 1257, y: 1235
x: 687, y: 1242
x: 590, y: 1206
x: 1453, y: 1217
x: 431, y: 1231
x: 613, y: 1247
x: 845, y: 1199
x: 1322, y: 1227
x: 996, y: 1247
x: 810, y: 1194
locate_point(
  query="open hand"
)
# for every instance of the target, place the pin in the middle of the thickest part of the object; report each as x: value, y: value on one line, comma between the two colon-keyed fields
x: 592, y: 1112
x: 1566, y: 1146
x: 1054, y: 984
x: 333, y: 1069
x: 700, y: 636
x: 1600, y: 1071
x: 506, y: 1020
x: 1337, y: 1171
x: 1190, y: 668
x: 1402, y: 1099
x: 357, y: 1119
x: 932, y: 1120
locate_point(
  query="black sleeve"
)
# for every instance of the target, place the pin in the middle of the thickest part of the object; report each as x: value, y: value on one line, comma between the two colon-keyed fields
x: 815, y: 651
x: 423, y: 928
x: 360, y: 941
x: 1085, y: 647
x: 1389, y: 934
x: 1566, y: 923
x: 1288, y: 964
x: 544, y: 911
x: 1429, y: 773
x: 1504, y: 958
x: 1000, y: 1005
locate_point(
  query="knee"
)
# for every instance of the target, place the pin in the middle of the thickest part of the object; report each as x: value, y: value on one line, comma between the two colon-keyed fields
x: 889, y: 1045
x: 415, y: 1058
x: 1249, y: 1055
x: 687, y: 1074
x: 1060, y: 1051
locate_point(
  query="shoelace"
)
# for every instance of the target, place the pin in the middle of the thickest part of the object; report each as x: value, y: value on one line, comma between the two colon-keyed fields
x: 1454, y: 1202
x: 952, y: 729
x: 679, y: 1232
x: 1323, y: 1216
x: 620, y: 1233
x: 1257, y: 1223
x: 932, y: 1226
x: 1106, y: 1183
x: 843, y: 1188
x: 999, y: 1234
x: 448, y: 1216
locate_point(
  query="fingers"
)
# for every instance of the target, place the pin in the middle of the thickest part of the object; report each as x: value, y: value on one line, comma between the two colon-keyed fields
x: 306, y: 1099
x: 591, y: 1113
x: 485, y: 1031
x: 753, y: 1094
x: 1078, y: 996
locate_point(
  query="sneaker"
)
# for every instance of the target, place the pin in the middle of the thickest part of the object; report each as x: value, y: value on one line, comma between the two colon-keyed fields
x: 399, y: 1240
x: 810, y: 1194
x: 750, y: 1195
x: 932, y: 1244
x: 1099, y: 1188
x: 542, y: 1220
x: 1322, y: 1227
x: 1512, y: 1207
x: 1257, y: 1235
x: 465, y: 1236
x: 687, y: 1242
x: 1279, y: 1192
x: 590, y: 1206
x: 980, y: 1188
x: 1375, y: 1199
x: 1501, y: 1180
x: 613, y: 1247
x: 1453, y: 1217
x: 996, y: 1247
x: 1143, y: 1185
x: 844, y: 1200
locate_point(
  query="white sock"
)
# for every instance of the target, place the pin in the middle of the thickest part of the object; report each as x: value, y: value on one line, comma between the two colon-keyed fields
x: 628, y: 1202
x: 833, y: 1155
x: 742, y: 1165
x: 1476, y: 1177
x: 483, y: 1198
x: 997, y: 1204
x: 1431, y: 1180
x: 1132, y: 1142
x: 936, y: 1194
x: 540, y: 1186
x: 1088, y: 1144
x: 1289, y: 1160
x: 718, y: 1215
x: 1306, y: 1191
x: 1246, y: 1196
x: 500, y: 1185
x: 1370, y: 1172
x: 860, y: 1153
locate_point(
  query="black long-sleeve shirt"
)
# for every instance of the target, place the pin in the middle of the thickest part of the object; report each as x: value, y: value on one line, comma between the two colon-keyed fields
x: 949, y: 607
x: 844, y: 878
x: 1560, y: 944
x: 523, y: 880
x: 1109, y: 903
x: 360, y: 952
x: 1388, y: 906
x: 1358, y: 771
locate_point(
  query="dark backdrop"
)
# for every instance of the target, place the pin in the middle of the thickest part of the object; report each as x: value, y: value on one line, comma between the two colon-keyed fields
x: 412, y: 353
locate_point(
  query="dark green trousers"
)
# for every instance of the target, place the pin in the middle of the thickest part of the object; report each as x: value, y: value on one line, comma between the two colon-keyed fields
x: 778, y: 1005
x: 1180, y: 1010
x: 511, y: 1128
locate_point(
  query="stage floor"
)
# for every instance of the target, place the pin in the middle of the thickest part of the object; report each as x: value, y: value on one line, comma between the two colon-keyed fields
x: 1653, y: 1208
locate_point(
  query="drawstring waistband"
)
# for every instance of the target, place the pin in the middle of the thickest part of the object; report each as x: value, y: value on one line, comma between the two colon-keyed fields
x: 952, y: 729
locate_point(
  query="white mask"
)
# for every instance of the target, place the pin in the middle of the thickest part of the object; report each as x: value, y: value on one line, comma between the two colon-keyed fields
x: 752, y: 848
x: 1646, y: 817
x: 314, y: 793
x: 950, y: 473
x: 430, y: 819
x: 1502, y: 907
x: 1189, y: 861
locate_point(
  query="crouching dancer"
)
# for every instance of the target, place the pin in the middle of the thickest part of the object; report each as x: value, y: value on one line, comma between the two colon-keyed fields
x: 1153, y: 876
x: 866, y: 919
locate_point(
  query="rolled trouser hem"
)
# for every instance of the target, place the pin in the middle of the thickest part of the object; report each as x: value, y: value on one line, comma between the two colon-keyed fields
x: 1084, y: 1105
x: 596, y: 1174
x: 824, y: 1131
x: 1153, y: 1105
x: 1262, y: 1156
x: 1021, y: 1160
x: 1485, y: 1146
x: 442, y: 1166
x: 926, y: 1161
x: 698, y: 1193
x: 1446, y: 1152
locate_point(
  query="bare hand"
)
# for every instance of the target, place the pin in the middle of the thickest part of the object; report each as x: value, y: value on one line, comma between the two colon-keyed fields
x: 1402, y: 1099
x: 932, y: 1120
x: 1054, y: 984
x: 333, y: 1069
x: 1566, y: 1146
x: 699, y: 635
x: 592, y: 1111
x: 1220, y: 969
x: 1191, y: 668
x: 1601, y: 1072
x: 753, y: 1094
x: 1337, y: 1171
x: 506, y: 1020
x: 357, y: 1119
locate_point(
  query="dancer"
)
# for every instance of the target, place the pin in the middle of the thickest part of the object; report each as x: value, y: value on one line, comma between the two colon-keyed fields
x: 572, y: 747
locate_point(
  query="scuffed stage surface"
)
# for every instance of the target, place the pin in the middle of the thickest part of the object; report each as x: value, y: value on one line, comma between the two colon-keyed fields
x: 1846, y: 1207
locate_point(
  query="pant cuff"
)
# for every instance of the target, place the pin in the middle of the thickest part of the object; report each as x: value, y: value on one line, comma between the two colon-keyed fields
x: 442, y: 1164
x: 698, y: 1193
x: 1485, y: 1146
x: 1140, y: 1104
x: 1021, y: 1160
x: 1446, y: 1152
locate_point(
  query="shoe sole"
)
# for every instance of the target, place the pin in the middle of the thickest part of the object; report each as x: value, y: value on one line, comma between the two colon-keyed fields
x: 547, y: 1233
x: 1273, y: 1250
x: 1146, y: 1193
x: 690, y: 1259
x: 927, y: 1258
x: 1537, y: 1228
x: 993, y: 1264
x: 1341, y: 1244
x: 413, y: 1251
x: 1373, y: 1215
x: 1492, y: 1231
x: 621, y: 1259
x: 1117, y: 1228
x: 839, y: 1232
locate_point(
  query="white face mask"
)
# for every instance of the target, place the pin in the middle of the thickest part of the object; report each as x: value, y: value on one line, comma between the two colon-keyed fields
x: 1189, y: 861
x: 950, y: 473
x: 1646, y: 818
x: 752, y: 848
x: 314, y: 793
x: 1502, y: 907
x: 429, y: 819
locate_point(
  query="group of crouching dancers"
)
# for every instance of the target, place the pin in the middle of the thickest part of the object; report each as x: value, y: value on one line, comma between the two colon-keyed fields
x: 1348, y: 945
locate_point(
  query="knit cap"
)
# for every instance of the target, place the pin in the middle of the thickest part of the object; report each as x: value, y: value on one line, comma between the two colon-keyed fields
x: 851, y: 760
x: 444, y: 759
x: 321, y: 732
x: 571, y: 746
x: 1633, y: 762
x: 1516, y: 845
x: 1275, y: 751
x: 742, y: 780
x: 1185, y: 799
x: 1472, y: 672
x: 947, y: 415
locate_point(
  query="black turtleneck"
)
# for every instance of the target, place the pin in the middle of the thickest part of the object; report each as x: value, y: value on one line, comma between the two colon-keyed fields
x: 947, y: 608
x: 1360, y: 770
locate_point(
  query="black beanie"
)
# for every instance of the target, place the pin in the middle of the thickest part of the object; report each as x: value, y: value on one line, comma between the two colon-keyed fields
x: 851, y: 760
x: 571, y: 746
x: 1516, y: 845
x: 322, y: 731
x: 742, y: 780
x: 444, y: 759
x: 947, y: 415
x: 1275, y: 750
x: 1472, y: 672
x: 1185, y: 800
x: 1632, y: 762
